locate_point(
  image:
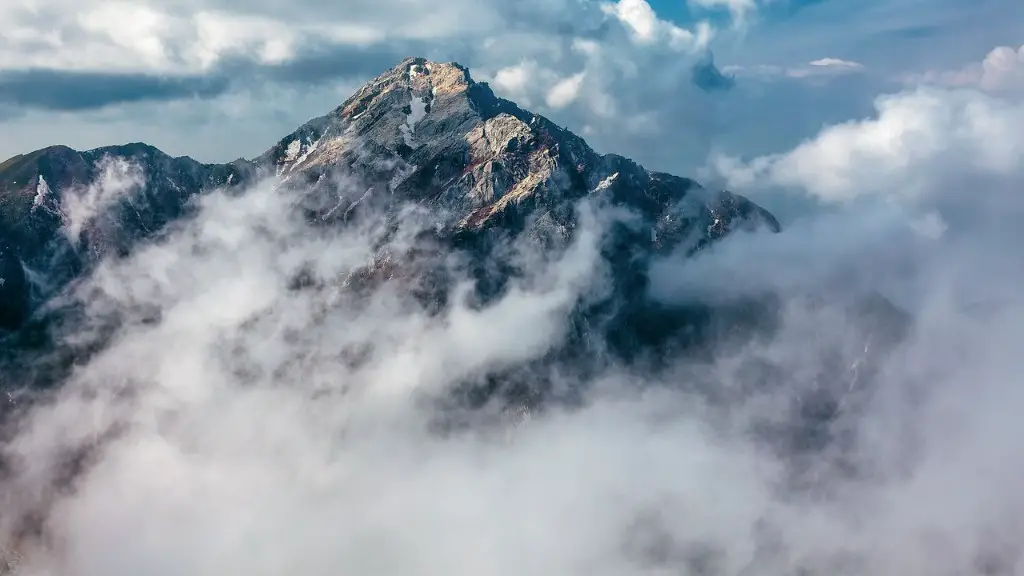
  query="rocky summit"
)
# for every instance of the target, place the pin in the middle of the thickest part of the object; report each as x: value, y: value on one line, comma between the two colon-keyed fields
x: 423, y: 133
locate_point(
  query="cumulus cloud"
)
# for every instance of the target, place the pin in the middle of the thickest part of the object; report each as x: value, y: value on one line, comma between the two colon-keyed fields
x: 1001, y: 72
x: 185, y: 37
x: 916, y: 140
x: 565, y: 91
x: 647, y: 27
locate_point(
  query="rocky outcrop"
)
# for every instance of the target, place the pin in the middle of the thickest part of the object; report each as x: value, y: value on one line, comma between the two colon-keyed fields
x: 427, y: 132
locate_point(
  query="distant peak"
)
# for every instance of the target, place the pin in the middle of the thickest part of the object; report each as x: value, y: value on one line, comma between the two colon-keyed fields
x: 419, y: 75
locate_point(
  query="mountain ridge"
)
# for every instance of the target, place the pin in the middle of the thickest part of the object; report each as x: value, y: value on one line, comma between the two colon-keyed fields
x: 424, y: 131
x: 421, y: 134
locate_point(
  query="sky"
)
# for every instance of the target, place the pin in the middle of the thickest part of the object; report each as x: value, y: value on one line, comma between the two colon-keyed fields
x: 233, y: 424
x: 219, y: 80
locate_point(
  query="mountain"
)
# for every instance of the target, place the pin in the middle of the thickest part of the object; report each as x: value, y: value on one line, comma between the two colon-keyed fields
x: 423, y: 133
x: 44, y: 193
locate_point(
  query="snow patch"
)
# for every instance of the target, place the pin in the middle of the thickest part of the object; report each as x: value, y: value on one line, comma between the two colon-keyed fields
x: 42, y: 192
x: 293, y: 150
x: 603, y: 184
x: 418, y: 109
x: 302, y: 158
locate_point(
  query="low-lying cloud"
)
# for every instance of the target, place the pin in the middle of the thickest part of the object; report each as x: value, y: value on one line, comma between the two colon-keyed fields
x: 251, y: 414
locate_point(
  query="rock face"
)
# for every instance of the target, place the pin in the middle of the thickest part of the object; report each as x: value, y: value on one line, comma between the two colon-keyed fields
x: 423, y: 133
x: 426, y: 132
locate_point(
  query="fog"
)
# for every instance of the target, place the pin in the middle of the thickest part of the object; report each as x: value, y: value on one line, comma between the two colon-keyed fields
x: 238, y: 425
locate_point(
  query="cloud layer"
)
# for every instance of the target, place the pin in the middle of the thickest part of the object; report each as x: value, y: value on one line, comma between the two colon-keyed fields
x: 253, y: 412
x: 236, y: 422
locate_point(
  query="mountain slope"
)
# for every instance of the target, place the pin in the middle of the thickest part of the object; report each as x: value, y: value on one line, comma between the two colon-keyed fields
x: 421, y: 132
x: 62, y: 210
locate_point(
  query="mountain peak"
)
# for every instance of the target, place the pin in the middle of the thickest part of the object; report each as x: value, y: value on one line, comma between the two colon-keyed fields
x: 416, y: 74
x: 423, y: 132
x: 437, y: 136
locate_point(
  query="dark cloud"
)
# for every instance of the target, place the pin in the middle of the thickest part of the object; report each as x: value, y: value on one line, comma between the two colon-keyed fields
x: 325, y: 64
x: 79, y: 91
x: 709, y: 78
x: 73, y: 91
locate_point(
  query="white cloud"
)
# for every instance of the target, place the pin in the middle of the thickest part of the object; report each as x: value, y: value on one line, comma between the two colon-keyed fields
x: 648, y: 28
x: 835, y: 63
x: 519, y: 78
x: 915, y: 141
x: 1001, y: 72
x: 179, y: 37
x: 182, y: 36
x: 565, y: 91
x: 117, y: 179
x: 816, y: 68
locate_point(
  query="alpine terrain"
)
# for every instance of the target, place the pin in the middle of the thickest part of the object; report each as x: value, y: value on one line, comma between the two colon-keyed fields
x: 423, y: 134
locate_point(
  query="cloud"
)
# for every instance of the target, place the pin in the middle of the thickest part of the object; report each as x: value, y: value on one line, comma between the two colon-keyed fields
x: 207, y: 129
x: 183, y: 38
x: 116, y: 179
x: 647, y: 28
x: 835, y: 63
x: 71, y: 91
x: 565, y: 91
x: 916, y: 140
x: 814, y: 68
x: 1001, y: 72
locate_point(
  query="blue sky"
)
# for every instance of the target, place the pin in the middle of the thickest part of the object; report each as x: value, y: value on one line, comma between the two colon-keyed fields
x: 220, y: 79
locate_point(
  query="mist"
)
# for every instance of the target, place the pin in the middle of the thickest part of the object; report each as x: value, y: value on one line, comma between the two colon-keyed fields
x: 241, y: 421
